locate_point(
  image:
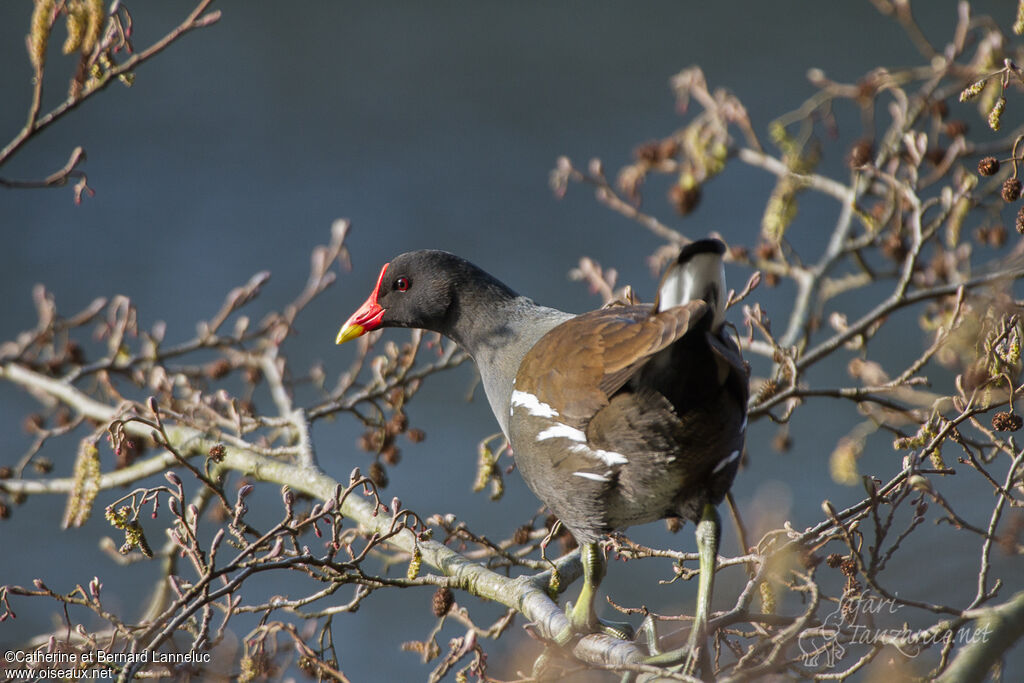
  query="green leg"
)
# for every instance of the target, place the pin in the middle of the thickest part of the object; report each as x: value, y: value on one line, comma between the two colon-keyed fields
x: 582, y: 617
x: 708, y: 534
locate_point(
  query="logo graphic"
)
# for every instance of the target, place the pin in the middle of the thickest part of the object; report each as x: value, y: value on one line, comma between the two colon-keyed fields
x: 852, y: 622
x: 856, y: 621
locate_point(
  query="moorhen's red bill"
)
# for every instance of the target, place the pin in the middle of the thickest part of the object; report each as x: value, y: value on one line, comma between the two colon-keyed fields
x: 616, y: 417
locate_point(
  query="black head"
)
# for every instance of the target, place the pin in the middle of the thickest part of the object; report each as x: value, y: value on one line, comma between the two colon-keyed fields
x: 423, y: 289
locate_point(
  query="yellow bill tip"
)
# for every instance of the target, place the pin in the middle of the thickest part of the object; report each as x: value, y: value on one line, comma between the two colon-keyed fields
x: 349, y: 332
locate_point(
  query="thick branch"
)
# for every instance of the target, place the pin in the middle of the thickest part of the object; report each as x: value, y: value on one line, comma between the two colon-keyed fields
x: 526, y: 594
x: 997, y: 629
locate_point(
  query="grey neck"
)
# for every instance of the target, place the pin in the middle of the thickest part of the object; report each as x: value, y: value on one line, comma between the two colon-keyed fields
x: 498, y: 335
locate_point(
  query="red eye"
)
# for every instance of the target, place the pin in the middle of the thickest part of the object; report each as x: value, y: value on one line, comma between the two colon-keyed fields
x: 402, y: 284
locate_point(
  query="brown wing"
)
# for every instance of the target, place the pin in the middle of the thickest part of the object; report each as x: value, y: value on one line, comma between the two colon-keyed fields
x: 578, y: 365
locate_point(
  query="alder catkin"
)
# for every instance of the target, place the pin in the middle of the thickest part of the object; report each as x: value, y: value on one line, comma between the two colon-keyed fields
x: 75, y: 21
x: 995, y: 116
x: 39, y: 32
x: 971, y: 91
x: 95, y: 13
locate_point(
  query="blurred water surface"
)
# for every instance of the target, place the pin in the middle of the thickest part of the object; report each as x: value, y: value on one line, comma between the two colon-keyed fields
x: 429, y: 125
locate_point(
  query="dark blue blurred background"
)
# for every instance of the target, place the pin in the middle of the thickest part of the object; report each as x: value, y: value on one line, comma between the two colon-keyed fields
x: 429, y: 125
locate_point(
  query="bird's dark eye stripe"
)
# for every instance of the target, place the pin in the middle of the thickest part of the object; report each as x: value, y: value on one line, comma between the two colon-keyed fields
x: 402, y: 284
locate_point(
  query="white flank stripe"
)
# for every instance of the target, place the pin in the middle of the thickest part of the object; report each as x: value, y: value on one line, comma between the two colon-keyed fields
x: 611, y: 457
x: 607, y: 457
x: 743, y: 427
x: 591, y: 475
x: 532, y: 404
x: 732, y: 456
x: 562, y: 431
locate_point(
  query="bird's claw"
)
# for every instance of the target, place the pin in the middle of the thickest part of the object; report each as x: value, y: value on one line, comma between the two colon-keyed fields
x: 685, y: 659
x: 583, y: 622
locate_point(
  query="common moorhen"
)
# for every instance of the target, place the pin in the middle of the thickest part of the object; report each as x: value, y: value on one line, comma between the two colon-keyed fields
x: 616, y: 417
